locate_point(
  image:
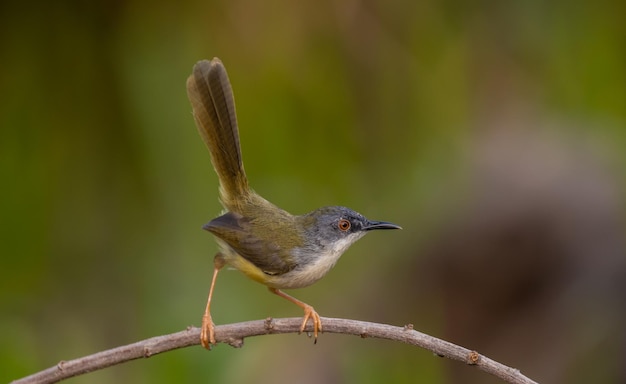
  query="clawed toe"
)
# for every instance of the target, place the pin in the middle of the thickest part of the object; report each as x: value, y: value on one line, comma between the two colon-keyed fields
x: 207, y: 332
x: 310, y: 313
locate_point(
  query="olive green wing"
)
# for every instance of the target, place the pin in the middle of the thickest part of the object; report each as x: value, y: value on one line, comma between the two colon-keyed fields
x: 237, y: 232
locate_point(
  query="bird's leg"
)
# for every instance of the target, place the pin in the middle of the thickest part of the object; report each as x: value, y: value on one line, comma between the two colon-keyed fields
x: 309, y: 312
x: 207, y: 333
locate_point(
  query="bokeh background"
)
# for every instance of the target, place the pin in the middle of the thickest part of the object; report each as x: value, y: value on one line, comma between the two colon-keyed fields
x: 492, y: 131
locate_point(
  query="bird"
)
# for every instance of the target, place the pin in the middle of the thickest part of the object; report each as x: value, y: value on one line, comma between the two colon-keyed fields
x: 266, y: 243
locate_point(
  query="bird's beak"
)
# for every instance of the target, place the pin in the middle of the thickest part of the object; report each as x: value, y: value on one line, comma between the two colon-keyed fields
x: 380, y: 225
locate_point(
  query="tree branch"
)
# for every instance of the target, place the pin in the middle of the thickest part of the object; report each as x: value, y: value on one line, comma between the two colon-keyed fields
x: 234, y: 334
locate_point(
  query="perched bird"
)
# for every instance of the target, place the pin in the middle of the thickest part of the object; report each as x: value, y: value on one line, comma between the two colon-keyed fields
x: 266, y: 243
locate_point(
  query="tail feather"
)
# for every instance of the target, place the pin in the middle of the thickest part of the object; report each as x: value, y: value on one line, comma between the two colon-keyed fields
x: 211, y: 96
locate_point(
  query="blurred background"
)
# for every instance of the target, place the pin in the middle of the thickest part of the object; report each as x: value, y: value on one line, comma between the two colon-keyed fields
x: 493, y: 132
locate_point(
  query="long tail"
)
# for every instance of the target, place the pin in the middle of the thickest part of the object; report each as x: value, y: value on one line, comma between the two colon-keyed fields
x: 211, y: 96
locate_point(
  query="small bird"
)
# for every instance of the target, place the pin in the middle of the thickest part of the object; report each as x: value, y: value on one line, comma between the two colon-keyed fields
x: 266, y: 243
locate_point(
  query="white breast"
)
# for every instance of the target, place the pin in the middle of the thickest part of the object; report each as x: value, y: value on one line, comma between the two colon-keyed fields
x: 317, y: 266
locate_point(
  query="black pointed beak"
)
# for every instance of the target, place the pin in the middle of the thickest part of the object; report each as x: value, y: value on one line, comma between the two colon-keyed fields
x: 380, y: 225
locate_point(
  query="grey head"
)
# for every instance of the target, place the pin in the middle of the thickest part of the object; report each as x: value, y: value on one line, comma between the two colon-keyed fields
x: 331, y: 230
x: 325, y: 233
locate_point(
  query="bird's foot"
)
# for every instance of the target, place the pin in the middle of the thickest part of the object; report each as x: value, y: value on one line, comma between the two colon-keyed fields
x: 310, y: 313
x: 207, y: 332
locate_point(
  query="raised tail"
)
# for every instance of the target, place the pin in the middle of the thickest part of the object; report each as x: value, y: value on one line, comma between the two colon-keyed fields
x: 211, y: 96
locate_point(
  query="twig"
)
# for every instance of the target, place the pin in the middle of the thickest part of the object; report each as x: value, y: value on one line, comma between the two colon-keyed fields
x: 234, y: 334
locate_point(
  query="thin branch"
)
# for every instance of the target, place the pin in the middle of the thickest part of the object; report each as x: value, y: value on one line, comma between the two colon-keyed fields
x: 234, y: 334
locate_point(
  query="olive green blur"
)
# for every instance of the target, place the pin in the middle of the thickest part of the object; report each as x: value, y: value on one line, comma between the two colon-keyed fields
x: 493, y: 132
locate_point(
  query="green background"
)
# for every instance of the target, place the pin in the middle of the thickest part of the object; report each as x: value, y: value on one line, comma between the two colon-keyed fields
x: 493, y: 132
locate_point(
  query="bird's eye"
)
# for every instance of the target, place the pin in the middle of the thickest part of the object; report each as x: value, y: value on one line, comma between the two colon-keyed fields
x: 344, y: 225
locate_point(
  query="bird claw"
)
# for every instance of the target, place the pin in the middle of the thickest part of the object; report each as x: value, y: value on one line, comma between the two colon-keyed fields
x: 207, y: 332
x: 310, y: 313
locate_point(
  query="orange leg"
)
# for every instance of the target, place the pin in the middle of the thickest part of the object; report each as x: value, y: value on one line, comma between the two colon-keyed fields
x: 309, y: 312
x: 207, y: 333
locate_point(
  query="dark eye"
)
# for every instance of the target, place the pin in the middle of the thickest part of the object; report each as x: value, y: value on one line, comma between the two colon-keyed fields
x: 344, y: 225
